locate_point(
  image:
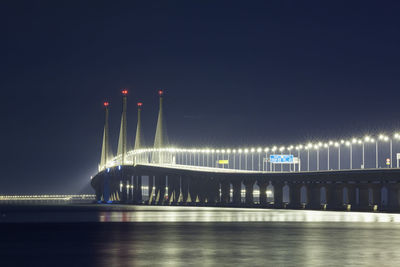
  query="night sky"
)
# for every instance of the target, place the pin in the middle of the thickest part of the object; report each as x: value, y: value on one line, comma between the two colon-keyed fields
x: 234, y: 73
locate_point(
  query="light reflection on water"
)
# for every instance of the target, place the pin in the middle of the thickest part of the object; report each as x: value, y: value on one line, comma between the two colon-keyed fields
x: 200, y: 214
x: 193, y: 236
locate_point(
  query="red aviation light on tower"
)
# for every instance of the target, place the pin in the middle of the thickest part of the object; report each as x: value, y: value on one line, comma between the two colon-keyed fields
x: 106, y: 104
x: 139, y: 104
x: 160, y: 92
x: 124, y: 92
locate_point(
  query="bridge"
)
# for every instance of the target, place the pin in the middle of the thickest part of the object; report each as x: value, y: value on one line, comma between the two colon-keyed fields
x: 355, y: 173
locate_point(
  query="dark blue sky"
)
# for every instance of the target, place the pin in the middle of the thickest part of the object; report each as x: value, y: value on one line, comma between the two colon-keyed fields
x: 235, y: 74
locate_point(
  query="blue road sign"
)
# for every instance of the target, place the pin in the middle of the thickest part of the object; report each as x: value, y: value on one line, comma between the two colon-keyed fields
x: 281, y: 158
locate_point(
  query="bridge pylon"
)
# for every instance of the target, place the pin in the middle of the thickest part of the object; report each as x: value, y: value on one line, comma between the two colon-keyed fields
x: 105, y: 149
x: 161, y: 137
x: 122, y: 147
x: 139, y: 134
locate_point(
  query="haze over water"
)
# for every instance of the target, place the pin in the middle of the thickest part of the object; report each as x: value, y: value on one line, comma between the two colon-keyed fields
x: 77, y: 235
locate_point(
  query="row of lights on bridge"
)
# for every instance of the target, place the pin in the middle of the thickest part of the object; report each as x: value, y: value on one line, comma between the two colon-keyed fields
x: 366, y: 139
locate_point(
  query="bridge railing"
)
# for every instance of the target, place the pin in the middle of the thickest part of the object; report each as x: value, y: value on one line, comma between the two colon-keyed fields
x: 356, y: 153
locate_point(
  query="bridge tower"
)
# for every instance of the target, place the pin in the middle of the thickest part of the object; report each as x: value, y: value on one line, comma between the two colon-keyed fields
x: 161, y: 138
x: 139, y: 134
x: 105, y: 149
x: 122, y: 147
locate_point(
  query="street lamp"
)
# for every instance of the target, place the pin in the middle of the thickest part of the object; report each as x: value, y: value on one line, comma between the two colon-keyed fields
x: 207, y: 152
x: 216, y: 162
x: 246, y: 151
x: 383, y: 138
x: 259, y: 158
x: 348, y: 144
x: 341, y: 143
x: 330, y: 143
x: 308, y: 155
x: 299, y: 147
x: 326, y: 145
x: 337, y: 144
x: 353, y: 141
x: 212, y: 157
x: 223, y: 152
x: 397, y: 137
x: 252, y: 158
x: 367, y: 139
x: 316, y: 146
x: 281, y: 149
x: 266, y: 159
x: 234, y: 158
x: 290, y: 152
x: 228, y: 151
x: 274, y: 148
x: 240, y: 158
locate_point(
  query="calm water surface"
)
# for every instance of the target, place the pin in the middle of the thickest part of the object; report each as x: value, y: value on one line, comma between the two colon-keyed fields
x: 83, y: 235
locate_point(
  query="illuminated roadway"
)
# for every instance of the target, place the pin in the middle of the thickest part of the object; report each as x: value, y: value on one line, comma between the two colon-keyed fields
x: 357, y: 173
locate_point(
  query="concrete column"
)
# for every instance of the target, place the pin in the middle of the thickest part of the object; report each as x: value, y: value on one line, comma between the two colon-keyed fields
x: 351, y: 196
x: 237, y: 196
x: 314, y: 196
x: 173, y: 188
x: 114, y: 188
x: 151, y: 192
x: 211, y: 190
x: 278, y: 194
x: 194, y: 189
x: 249, y: 183
x: 377, y: 195
x: 294, y: 195
x: 334, y: 192
x: 160, y: 189
x: 225, y: 188
x: 124, y: 195
x: 262, y: 184
x: 393, y: 196
x: 99, y: 187
x: 185, y: 189
x: 198, y: 190
x: 129, y: 189
x: 364, y: 196
x: 138, y: 189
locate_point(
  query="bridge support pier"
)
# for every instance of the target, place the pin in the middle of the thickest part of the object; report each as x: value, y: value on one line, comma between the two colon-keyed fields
x: 211, y: 190
x: 185, y: 188
x: 160, y: 189
x: 262, y: 184
x: 393, y: 190
x: 114, y: 190
x: 150, y: 190
x: 173, y: 188
x: 314, y: 196
x: 377, y: 196
x: 123, y: 192
x: 278, y: 194
x: 99, y: 189
x: 194, y: 189
x: 364, y: 196
x: 350, y: 197
x: 237, y: 194
x: 225, y: 192
x: 294, y: 195
x: 249, y: 183
x: 334, y: 196
x: 138, y: 197
x: 197, y: 190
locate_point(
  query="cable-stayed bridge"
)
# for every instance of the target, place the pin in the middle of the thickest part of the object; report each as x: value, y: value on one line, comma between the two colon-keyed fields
x: 357, y: 173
